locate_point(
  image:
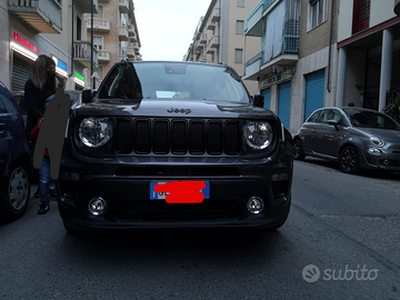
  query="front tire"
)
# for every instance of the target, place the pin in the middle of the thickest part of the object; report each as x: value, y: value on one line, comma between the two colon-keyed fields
x: 16, y: 189
x: 349, y: 160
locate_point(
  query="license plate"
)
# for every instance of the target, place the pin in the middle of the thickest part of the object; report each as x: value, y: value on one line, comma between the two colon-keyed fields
x: 157, y: 196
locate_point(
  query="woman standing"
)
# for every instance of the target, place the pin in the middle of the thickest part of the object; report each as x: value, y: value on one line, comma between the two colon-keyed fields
x: 39, y: 87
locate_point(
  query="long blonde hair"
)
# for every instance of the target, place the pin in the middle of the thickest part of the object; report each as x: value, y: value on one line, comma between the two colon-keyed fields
x: 39, y: 73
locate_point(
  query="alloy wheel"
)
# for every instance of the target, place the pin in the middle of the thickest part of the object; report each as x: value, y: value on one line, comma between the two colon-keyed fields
x: 18, y: 188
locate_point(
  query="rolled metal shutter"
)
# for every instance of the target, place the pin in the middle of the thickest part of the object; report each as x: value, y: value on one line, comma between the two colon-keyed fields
x: 21, y: 72
x: 267, y: 98
x: 284, y: 103
x: 315, y: 88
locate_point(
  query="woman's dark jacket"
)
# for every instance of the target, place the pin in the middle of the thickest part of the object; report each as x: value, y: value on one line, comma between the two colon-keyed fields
x: 35, y: 103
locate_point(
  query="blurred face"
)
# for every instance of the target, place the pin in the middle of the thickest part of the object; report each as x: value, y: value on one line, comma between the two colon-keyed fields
x: 51, y: 70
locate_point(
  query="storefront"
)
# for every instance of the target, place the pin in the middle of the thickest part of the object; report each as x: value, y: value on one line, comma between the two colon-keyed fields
x: 23, y: 54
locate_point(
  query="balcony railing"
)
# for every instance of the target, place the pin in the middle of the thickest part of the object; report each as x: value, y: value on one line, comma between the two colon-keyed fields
x: 82, y: 53
x: 123, y: 33
x: 253, y: 20
x: 252, y: 66
x: 43, y: 16
x: 104, y: 56
x: 101, y: 25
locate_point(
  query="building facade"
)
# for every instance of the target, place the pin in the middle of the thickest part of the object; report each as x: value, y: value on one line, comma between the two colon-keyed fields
x: 296, y: 67
x: 369, y: 54
x: 219, y: 37
x: 115, y: 34
x: 58, y: 29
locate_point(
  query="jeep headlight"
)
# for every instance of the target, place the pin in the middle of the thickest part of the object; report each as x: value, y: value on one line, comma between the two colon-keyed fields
x: 258, y: 134
x: 95, y: 132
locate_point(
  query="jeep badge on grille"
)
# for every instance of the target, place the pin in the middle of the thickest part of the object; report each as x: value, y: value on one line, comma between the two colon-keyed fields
x: 177, y: 110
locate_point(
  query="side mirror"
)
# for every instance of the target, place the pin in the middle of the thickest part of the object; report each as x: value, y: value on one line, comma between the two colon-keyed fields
x: 258, y: 100
x: 87, y: 96
x: 334, y: 123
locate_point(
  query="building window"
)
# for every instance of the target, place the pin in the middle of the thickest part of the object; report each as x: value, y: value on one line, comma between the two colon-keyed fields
x: 239, y: 27
x: 317, y: 13
x: 361, y: 10
x: 98, y: 42
x: 238, y: 55
x: 240, y: 3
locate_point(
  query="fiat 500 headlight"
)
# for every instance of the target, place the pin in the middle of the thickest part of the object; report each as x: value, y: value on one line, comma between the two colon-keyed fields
x: 377, y: 142
x: 95, y: 132
x: 258, y: 134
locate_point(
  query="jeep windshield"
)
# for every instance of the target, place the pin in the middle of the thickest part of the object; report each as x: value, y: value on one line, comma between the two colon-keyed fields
x: 169, y: 80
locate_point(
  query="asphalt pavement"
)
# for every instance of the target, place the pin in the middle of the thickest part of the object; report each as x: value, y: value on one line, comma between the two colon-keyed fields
x: 341, y: 241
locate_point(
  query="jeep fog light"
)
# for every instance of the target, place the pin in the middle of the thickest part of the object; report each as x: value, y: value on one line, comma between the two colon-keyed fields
x: 255, y: 205
x: 258, y: 135
x: 97, y: 206
x: 95, y: 132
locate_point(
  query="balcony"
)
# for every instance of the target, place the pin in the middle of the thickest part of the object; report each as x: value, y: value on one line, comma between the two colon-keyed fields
x: 213, y: 42
x: 82, y: 53
x: 252, y: 66
x: 123, y: 33
x: 84, y: 6
x: 254, y: 19
x: 130, y: 52
x: 43, y: 16
x: 104, y: 56
x: 99, y: 25
x: 211, y: 25
x: 215, y: 15
x: 124, y: 6
x: 131, y: 29
x: 203, y: 38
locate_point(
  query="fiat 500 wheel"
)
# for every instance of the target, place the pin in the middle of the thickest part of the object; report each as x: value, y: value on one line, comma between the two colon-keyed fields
x: 349, y: 160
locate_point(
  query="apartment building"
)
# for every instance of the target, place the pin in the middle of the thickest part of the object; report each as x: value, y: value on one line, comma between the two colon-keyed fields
x: 52, y: 27
x: 115, y: 34
x: 297, y: 63
x: 219, y: 37
x: 369, y: 54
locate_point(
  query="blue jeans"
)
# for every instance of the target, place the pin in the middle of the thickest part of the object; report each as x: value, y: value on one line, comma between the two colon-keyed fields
x: 45, y: 180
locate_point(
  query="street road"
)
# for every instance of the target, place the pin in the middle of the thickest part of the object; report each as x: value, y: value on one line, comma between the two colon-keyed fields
x: 341, y: 241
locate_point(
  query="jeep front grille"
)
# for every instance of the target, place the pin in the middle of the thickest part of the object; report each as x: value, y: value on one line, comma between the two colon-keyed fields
x: 160, y: 136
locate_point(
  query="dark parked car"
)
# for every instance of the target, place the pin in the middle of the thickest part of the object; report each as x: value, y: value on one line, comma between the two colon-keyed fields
x: 355, y: 137
x: 167, y: 145
x: 15, y: 162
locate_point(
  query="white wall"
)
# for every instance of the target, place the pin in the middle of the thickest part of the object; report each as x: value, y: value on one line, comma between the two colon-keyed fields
x: 345, y: 19
x: 381, y: 11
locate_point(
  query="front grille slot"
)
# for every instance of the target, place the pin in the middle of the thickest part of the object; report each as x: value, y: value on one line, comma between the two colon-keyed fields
x: 142, y: 141
x: 123, y: 140
x: 196, y: 138
x: 178, y: 137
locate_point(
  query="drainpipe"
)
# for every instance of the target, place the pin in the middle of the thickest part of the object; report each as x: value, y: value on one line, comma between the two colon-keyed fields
x: 72, y: 43
x: 330, y: 49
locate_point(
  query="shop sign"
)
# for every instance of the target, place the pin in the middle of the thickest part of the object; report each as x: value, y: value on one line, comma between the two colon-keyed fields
x: 19, y: 39
x: 79, y: 76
